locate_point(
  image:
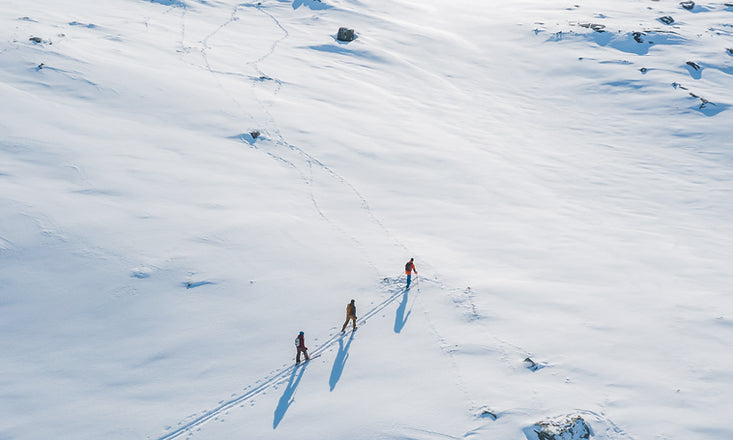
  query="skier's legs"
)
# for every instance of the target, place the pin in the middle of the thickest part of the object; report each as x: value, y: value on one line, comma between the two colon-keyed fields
x: 297, y: 356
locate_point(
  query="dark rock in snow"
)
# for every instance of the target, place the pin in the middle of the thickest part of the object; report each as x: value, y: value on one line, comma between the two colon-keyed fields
x: 666, y: 19
x: 532, y: 365
x: 36, y: 39
x: 730, y: 51
x: 688, y: 5
x: 486, y: 412
x: 703, y: 101
x: 562, y: 428
x: 637, y: 36
x: 694, y: 69
x: 596, y: 27
x: 255, y: 134
x: 345, y: 34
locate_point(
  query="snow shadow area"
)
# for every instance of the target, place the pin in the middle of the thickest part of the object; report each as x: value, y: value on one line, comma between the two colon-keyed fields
x: 288, y: 395
x: 340, y: 362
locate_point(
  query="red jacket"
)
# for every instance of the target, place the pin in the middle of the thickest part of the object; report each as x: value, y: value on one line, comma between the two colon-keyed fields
x: 409, y: 267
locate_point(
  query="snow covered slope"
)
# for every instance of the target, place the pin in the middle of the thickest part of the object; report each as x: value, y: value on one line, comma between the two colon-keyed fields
x: 186, y: 184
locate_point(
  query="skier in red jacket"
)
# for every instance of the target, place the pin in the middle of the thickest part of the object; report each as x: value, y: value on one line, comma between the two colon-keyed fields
x: 409, y: 268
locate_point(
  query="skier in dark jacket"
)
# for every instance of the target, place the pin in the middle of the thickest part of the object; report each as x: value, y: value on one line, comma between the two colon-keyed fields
x: 350, y: 315
x: 300, y: 345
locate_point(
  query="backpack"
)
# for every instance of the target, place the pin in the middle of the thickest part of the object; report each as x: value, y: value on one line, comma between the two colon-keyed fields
x: 297, y: 342
x: 408, y: 266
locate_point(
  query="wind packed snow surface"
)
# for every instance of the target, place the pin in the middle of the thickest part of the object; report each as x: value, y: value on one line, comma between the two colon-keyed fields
x: 186, y: 184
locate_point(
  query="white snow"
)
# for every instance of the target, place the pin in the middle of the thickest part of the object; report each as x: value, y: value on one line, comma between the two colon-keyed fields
x: 565, y: 196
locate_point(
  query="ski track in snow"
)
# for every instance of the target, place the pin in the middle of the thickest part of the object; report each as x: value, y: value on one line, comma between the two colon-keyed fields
x: 186, y: 427
x: 393, y: 287
x: 290, y: 155
x: 305, y: 160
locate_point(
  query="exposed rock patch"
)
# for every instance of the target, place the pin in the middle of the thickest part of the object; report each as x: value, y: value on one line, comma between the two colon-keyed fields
x: 666, y: 19
x: 571, y: 427
x: 345, y: 34
x: 688, y: 5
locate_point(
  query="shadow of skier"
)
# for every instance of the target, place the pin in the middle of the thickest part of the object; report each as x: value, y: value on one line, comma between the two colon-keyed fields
x: 287, y: 398
x: 400, y: 317
x: 340, y: 362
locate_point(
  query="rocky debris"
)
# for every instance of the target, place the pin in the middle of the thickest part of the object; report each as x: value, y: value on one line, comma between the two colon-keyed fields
x: 677, y: 85
x: 255, y: 134
x: 730, y: 51
x: 36, y: 39
x: 643, y: 70
x: 532, y: 365
x: 688, y: 5
x: 666, y: 19
x: 562, y: 428
x: 694, y: 65
x: 637, y: 36
x: 595, y: 26
x: 703, y: 101
x: 345, y: 34
x: 486, y: 412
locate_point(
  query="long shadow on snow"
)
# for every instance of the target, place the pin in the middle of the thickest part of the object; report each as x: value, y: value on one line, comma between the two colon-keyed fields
x: 400, y: 317
x: 288, y: 396
x: 296, y: 373
x: 340, y: 362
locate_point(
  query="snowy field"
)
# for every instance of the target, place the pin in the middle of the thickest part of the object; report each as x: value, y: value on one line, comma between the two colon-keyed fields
x: 187, y: 184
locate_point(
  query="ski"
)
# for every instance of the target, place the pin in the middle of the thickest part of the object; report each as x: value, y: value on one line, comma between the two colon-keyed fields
x: 308, y: 360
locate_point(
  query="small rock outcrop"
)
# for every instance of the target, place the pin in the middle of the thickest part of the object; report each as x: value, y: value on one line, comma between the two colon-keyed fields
x: 345, y: 34
x: 561, y: 428
x: 688, y: 5
x: 487, y: 413
x: 595, y: 26
x: 531, y: 365
x: 666, y: 19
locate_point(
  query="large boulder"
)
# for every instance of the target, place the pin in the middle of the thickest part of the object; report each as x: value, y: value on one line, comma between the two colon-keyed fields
x: 345, y: 34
